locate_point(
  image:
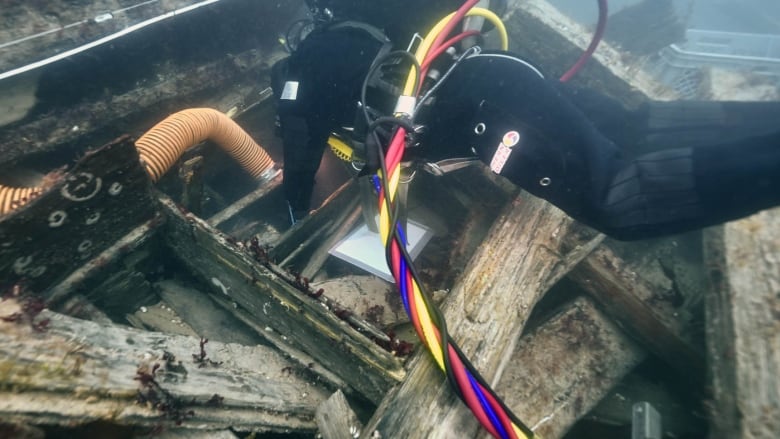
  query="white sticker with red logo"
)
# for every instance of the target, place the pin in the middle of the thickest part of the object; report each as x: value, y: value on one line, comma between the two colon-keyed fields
x: 503, y: 151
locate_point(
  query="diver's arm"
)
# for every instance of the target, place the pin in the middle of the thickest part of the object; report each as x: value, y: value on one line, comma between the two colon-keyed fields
x: 525, y: 129
x: 681, y: 189
x: 667, y: 191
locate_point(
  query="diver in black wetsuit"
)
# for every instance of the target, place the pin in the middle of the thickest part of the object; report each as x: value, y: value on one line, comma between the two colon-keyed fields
x: 714, y: 161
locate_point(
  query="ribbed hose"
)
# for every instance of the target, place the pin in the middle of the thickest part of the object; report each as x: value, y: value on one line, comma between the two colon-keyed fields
x: 162, y: 145
x: 12, y: 198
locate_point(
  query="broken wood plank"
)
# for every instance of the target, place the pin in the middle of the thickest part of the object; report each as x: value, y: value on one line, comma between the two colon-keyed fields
x: 104, y: 197
x: 338, y: 231
x: 104, y: 265
x: 304, y: 363
x: 530, y: 247
x: 640, y: 309
x: 54, y: 377
x: 335, y: 418
x: 236, y: 208
x: 159, y: 317
x: 302, y: 321
x: 743, y: 326
x: 305, y: 234
x: 561, y: 370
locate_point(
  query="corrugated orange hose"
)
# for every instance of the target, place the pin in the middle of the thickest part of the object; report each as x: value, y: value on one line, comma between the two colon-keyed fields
x: 14, y: 197
x: 162, y: 145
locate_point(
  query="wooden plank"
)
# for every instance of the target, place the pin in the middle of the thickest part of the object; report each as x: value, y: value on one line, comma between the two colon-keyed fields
x: 191, y: 178
x: 335, y: 418
x: 104, y: 197
x: 640, y: 309
x: 236, y: 208
x: 56, y: 377
x: 743, y: 326
x: 302, y: 321
x: 303, y: 362
x: 338, y: 231
x: 562, y: 369
x: 299, y: 238
x: 109, y: 275
x: 530, y: 247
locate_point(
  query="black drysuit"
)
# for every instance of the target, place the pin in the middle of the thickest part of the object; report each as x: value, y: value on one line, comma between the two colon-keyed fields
x: 712, y: 161
x: 708, y: 162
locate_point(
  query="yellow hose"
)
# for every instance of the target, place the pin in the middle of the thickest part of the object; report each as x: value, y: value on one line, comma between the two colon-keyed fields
x: 340, y: 148
x: 162, y: 146
x: 422, y: 50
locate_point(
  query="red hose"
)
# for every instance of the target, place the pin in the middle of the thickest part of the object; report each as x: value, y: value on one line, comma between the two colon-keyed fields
x: 594, y: 43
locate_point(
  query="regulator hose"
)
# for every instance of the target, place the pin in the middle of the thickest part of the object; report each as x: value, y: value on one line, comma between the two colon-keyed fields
x: 161, y: 146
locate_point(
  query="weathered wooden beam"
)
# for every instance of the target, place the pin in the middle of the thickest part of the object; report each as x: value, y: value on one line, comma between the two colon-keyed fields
x: 641, y: 310
x: 335, y: 418
x: 301, y: 237
x: 48, y: 29
x: 301, y: 320
x: 247, y: 200
x: 338, y: 231
x: 561, y: 370
x: 530, y: 247
x: 104, y: 197
x: 304, y: 363
x: 77, y: 372
x: 105, y: 263
x: 743, y: 326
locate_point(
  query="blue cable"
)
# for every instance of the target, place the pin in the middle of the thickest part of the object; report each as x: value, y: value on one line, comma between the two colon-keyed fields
x: 487, y: 407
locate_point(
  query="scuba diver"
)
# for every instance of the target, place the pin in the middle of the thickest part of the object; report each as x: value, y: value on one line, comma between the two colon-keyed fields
x: 707, y: 162
x: 317, y: 88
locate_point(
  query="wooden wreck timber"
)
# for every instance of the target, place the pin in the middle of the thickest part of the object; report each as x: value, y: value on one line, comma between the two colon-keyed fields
x: 530, y: 247
x: 551, y: 376
x: 302, y: 321
x: 578, y: 356
x: 81, y: 214
x: 743, y: 326
x: 78, y: 371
